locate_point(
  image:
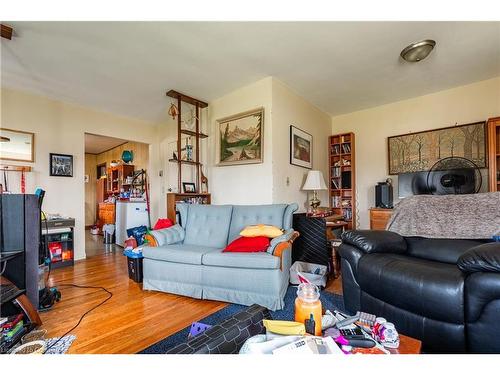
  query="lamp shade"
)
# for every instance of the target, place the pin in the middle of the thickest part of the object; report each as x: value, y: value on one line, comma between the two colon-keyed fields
x: 314, y: 181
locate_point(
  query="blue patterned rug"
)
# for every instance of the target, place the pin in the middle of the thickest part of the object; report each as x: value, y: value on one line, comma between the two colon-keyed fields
x: 329, y: 301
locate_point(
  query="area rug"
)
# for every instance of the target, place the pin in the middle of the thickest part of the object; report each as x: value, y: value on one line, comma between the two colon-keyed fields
x: 329, y: 301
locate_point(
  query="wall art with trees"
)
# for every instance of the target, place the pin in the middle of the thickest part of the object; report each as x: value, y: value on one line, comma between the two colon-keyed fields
x: 416, y: 152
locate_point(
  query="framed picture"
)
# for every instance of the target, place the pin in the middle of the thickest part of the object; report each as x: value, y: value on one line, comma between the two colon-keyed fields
x: 61, y: 165
x: 189, y: 187
x: 240, y: 138
x: 300, y: 147
x: 418, y: 152
x: 17, y: 145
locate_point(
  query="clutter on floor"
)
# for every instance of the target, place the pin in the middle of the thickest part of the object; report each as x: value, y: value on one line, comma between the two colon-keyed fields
x: 279, y: 333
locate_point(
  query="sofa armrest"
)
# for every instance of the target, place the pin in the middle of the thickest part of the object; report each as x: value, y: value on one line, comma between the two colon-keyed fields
x: 375, y: 241
x: 286, y: 238
x: 482, y: 258
x: 168, y: 236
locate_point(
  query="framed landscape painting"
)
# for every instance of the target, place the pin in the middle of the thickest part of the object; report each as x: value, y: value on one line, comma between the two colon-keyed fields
x: 300, y: 147
x: 417, y: 152
x: 240, y: 138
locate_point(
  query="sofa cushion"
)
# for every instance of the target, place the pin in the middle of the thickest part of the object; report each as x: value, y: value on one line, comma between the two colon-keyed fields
x: 482, y: 258
x: 243, y: 216
x: 261, y: 260
x: 178, y: 253
x: 168, y: 236
x: 431, y: 289
x: 248, y: 245
x: 207, y: 225
x: 375, y: 241
x: 439, y: 249
x: 270, y: 231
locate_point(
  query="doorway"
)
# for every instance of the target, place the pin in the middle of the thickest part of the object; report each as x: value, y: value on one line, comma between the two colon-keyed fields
x: 113, y: 170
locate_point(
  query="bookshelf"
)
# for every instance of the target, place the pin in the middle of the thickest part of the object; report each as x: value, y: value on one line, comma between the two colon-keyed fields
x: 494, y: 153
x: 342, y: 183
x: 196, y: 134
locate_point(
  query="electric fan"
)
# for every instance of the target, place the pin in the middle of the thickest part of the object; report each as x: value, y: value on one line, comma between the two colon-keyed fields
x: 454, y: 175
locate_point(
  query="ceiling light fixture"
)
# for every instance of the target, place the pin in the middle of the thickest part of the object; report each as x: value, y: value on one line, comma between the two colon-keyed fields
x: 418, y: 51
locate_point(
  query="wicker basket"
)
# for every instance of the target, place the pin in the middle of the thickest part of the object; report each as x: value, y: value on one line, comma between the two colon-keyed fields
x: 36, y: 335
x: 33, y: 347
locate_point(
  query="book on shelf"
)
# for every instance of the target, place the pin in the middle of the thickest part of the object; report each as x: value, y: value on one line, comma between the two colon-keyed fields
x: 346, y: 148
x: 335, y: 171
x: 335, y: 184
x: 335, y: 149
x: 336, y: 201
x: 347, y: 212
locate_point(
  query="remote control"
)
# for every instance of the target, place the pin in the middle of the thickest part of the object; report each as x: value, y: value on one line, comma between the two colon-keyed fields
x: 347, y: 321
x: 361, y: 343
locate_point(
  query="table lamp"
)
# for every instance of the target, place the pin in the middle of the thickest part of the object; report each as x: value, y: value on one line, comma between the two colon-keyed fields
x: 314, y: 182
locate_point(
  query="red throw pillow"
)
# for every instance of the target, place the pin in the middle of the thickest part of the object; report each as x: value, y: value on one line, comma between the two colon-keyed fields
x: 248, y: 245
x: 162, y: 224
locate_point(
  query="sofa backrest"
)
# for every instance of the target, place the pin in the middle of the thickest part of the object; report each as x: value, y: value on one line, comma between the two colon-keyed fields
x: 279, y: 215
x: 206, y: 225
x: 438, y: 249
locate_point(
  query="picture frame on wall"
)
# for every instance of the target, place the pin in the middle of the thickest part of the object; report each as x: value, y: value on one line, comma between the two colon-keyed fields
x: 61, y: 165
x: 17, y: 145
x: 189, y: 187
x: 419, y: 151
x: 240, y: 138
x: 301, y: 146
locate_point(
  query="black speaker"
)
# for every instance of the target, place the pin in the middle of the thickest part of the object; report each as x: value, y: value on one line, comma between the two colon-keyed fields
x: 20, y: 230
x: 383, y: 195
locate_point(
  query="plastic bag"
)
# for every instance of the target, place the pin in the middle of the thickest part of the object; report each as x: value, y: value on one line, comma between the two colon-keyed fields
x: 315, y: 273
x: 138, y: 233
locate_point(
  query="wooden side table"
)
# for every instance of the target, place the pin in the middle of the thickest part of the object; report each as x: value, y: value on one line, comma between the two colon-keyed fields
x: 330, y: 235
x: 379, y: 217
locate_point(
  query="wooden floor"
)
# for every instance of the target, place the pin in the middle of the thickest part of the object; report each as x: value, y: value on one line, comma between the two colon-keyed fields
x: 132, y: 320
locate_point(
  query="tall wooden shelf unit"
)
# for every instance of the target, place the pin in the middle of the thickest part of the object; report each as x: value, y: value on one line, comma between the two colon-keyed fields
x: 197, y: 135
x: 197, y: 197
x: 342, y: 177
x: 494, y: 153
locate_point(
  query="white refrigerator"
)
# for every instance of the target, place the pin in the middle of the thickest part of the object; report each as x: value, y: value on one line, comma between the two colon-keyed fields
x: 129, y: 215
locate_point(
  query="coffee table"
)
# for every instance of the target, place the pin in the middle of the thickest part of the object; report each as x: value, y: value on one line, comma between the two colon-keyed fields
x: 407, y: 345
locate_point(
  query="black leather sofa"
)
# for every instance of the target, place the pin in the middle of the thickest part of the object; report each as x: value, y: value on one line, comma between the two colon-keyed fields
x: 445, y: 292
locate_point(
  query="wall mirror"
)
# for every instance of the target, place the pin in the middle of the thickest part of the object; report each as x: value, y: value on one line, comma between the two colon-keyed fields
x: 17, y: 145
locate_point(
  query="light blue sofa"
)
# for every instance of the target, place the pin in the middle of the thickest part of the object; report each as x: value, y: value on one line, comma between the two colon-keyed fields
x: 190, y: 261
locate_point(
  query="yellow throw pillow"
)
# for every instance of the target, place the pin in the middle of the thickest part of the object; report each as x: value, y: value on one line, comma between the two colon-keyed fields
x: 261, y: 230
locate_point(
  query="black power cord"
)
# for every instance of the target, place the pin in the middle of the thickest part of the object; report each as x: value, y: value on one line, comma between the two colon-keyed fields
x: 87, y: 312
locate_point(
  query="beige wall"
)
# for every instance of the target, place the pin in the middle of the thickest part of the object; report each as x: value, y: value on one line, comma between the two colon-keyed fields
x: 267, y: 182
x: 242, y: 184
x: 461, y: 105
x: 60, y: 127
x: 291, y: 109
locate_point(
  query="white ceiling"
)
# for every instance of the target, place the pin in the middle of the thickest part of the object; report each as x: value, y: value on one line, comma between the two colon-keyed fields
x: 126, y: 67
x: 95, y: 144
